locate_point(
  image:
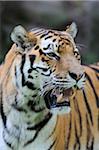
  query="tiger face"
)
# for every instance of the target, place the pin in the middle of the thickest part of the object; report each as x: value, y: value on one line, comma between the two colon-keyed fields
x: 49, y: 67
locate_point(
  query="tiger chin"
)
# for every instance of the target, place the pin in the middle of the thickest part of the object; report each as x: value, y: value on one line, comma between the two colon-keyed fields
x: 46, y: 94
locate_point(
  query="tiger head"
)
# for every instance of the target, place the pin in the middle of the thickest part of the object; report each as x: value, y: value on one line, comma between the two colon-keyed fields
x: 48, y: 68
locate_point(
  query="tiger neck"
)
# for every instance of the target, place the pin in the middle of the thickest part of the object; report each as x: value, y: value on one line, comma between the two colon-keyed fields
x: 27, y: 116
x: 25, y: 125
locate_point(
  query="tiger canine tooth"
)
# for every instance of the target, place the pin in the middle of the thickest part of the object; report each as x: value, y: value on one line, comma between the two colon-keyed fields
x: 60, y: 98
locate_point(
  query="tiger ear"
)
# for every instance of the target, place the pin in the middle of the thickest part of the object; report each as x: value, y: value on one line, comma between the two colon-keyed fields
x: 22, y: 38
x: 72, y: 29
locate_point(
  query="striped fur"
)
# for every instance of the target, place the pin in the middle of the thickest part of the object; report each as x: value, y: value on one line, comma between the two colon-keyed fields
x: 29, y: 72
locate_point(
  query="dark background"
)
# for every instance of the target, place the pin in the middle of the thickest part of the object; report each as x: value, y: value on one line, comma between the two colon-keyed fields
x: 54, y: 15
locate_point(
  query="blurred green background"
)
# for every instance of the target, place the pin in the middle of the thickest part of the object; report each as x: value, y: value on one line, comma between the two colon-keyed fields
x: 54, y: 15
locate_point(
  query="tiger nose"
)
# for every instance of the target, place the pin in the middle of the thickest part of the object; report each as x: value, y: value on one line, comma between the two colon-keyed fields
x: 75, y: 76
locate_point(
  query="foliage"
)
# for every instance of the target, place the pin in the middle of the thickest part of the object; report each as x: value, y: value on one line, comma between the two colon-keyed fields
x: 55, y: 15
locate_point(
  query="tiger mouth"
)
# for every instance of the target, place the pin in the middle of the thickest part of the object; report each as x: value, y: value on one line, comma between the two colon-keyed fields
x: 58, y: 98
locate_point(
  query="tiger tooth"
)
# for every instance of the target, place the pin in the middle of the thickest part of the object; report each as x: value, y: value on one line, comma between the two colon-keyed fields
x: 59, y: 98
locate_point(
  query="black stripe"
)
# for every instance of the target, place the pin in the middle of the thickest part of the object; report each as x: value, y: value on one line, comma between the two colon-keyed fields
x: 41, y: 52
x: 37, y: 47
x: 88, y: 132
x: 44, y: 69
x: 31, y: 105
x: 50, y: 36
x: 67, y: 40
x: 97, y: 76
x: 15, y: 72
x: 50, y: 31
x: 30, y: 85
x: 80, y: 121
x: 21, y: 69
x: 96, y: 96
x: 30, y: 70
x: 45, y: 48
x: 92, y: 145
x: 54, y: 128
x: 95, y: 69
x: 32, y: 59
x: 38, y: 128
x: 54, y: 40
x: 41, y: 124
x: 30, y: 77
x: 16, y: 77
x: 8, y: 143
x: 43, y: 35
x: 20, y: 109
x: 51, y: 146
x: 77, y: 139
x: 79, y: 114
x: 16, y: 107
x: 4, y: 118
x: 69, y: 134
x: 88, y: 107
x: 34, y: 95
x: 47, y: 75
x: 61, y: 104
x: 53, y: 55
x: 16, y: 100
x: 98, y: 120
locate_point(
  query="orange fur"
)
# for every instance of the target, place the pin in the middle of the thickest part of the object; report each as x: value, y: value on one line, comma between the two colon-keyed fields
x: 77, y: 129
x: 68, y: 127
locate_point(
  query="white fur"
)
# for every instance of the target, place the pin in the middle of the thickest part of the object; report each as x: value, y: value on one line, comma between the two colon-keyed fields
x: 41, y: 143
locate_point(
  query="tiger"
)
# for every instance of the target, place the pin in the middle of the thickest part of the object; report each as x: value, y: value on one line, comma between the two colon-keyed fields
x: 48, y: 99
